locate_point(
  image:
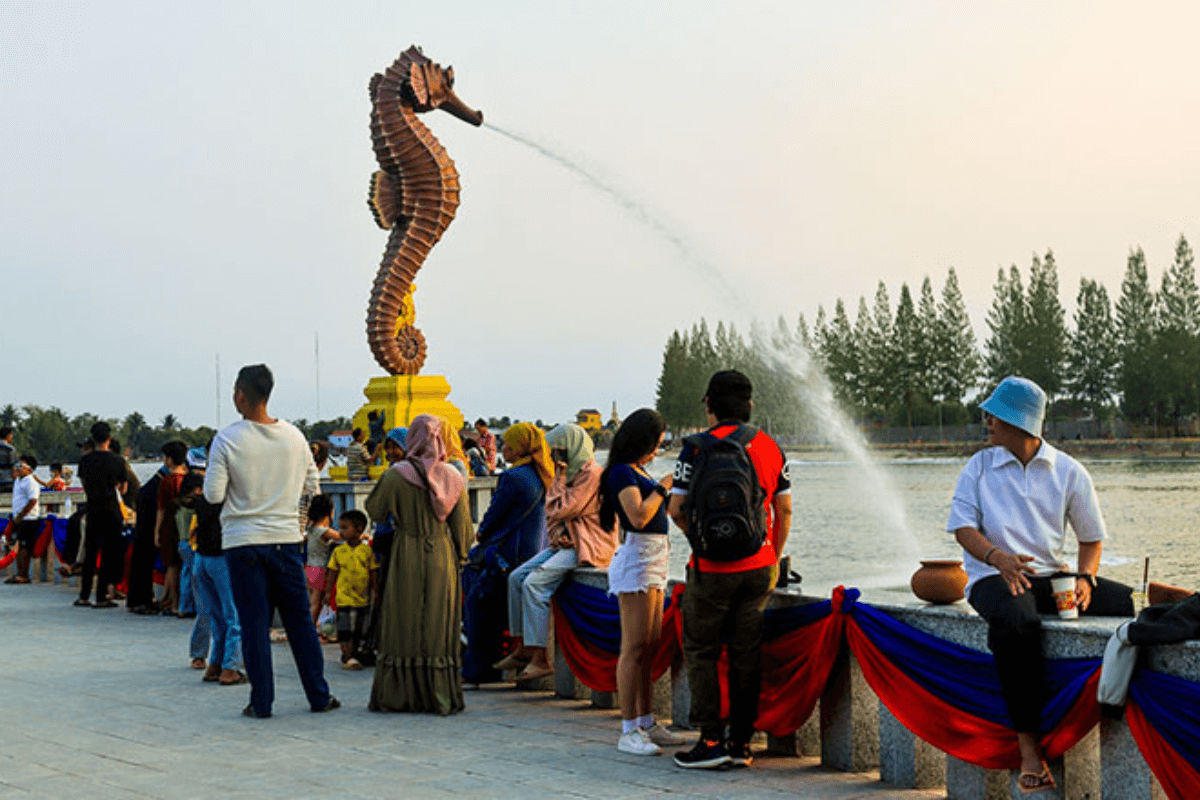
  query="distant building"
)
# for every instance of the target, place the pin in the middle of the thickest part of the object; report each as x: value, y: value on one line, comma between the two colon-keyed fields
x: 340, y: 439
x: 589, y: 419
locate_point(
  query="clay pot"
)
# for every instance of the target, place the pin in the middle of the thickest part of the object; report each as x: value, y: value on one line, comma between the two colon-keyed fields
x: 940, y: 581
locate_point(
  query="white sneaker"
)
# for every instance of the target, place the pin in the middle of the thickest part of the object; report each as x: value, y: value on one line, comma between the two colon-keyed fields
x: 663, y: 737
x: 637, y: 743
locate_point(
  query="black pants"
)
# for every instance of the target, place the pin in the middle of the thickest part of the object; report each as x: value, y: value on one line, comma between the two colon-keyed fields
x: 725, y: 610
x: 141, y: 567
x: 102, y: 538
x: 1015, y: 637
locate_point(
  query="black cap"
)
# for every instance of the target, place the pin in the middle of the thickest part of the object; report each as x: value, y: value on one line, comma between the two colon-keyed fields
x: 101, y: 432
x: 729, y: 383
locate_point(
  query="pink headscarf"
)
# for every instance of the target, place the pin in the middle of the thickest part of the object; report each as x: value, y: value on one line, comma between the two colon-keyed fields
x: 425, y: 467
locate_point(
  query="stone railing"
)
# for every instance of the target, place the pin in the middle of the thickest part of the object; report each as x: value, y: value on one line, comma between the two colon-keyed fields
x: 851, y: 730
x: 354, y: 495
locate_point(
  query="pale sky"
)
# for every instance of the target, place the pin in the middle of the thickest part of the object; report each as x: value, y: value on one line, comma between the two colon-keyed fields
x: 180, y: 181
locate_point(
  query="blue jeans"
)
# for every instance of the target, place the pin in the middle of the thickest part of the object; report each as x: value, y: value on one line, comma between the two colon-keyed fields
x: 214, y: 601
x: 266, y: 577
x: 530, y: 587
x: 187, y: 579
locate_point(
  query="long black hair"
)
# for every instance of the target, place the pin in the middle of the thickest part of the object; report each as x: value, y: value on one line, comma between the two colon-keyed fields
x: 637, y: 437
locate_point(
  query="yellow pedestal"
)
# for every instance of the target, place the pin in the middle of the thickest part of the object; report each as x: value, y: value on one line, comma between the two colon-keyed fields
x: 403, y: 397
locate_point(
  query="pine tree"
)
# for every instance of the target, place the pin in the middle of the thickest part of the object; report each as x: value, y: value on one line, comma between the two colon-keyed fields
x: 671, y: 399
x: 841, y: 356
x: 702, y: 363
x: 957, y: 359
x: 863, y: 323
x: 905, y: 334
x: 878, y: 356
x: 1175, y: 349
x: 1043, y: 345
x: 1006, y: 318
x: 1135, y: 338
x: 1092, y: 353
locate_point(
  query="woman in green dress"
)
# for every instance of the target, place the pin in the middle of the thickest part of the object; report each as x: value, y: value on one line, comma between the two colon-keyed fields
x: 419, y: 665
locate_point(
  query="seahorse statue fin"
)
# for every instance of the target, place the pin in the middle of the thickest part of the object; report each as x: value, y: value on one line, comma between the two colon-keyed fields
x: 384, y: 199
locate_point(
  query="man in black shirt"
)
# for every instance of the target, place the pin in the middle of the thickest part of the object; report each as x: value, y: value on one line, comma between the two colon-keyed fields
x: 103, y: 476
x: 8, y: 459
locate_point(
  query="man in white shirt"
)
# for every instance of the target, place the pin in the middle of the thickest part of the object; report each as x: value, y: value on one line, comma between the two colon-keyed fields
x: 26, y: 519
x: 1009, y: 513
x: 258, y: 468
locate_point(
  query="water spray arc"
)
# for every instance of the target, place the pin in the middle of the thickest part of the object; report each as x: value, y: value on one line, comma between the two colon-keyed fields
x: 809, y: 384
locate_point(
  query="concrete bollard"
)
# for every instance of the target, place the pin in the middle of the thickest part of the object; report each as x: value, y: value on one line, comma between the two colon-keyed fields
x: 906, y: 761
x: 1123, y: 771
x: 849, y: 718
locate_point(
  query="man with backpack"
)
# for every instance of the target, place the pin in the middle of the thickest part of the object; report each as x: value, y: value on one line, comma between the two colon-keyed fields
x: 732, y: 497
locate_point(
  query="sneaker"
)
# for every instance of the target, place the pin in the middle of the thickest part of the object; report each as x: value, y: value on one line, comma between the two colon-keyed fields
x: 705, y: 755
x: 332, y: 705
x: 663, y: 737
x: 739, y: 754
x: 636, y: 743
x: 352, y: 663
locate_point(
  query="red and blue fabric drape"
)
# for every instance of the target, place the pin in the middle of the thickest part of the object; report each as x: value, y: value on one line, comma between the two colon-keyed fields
x: 587, y: 626
x: 946, y: 694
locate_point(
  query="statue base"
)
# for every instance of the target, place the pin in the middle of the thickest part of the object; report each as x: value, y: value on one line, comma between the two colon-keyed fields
x: 400, y: 398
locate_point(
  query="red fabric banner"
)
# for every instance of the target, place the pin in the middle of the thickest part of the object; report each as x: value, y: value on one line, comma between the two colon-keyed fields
x: 974, y: 740
x: 1178, y: 778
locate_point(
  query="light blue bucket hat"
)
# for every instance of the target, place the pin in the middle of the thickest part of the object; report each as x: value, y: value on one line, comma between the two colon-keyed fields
x: 1020, y: 402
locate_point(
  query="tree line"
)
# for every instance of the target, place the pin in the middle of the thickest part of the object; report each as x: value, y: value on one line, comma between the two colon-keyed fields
x: 50, y: 434
x: 919, y: 363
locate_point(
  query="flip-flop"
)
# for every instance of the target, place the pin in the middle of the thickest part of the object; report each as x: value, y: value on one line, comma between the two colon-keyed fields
x: 1044, y: 781
x: 241, y: 678
x: 532, y: 673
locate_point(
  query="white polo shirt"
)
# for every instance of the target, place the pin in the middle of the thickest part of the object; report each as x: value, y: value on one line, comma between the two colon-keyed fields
x: 1025, y: 509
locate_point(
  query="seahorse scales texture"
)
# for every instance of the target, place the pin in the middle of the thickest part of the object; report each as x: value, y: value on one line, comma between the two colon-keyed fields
x: 415, y: 196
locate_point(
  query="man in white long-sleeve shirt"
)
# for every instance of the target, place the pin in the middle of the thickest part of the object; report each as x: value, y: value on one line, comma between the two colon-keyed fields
x: 258, y: 468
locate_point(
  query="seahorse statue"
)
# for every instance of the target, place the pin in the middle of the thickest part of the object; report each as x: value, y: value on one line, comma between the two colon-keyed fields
x: 414, y: 194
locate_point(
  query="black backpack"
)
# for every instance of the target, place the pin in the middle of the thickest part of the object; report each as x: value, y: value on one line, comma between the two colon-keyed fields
x: 724, y: 505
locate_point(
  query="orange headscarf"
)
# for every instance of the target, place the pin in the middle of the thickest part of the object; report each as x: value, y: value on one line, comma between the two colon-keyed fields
x: 528, y: 444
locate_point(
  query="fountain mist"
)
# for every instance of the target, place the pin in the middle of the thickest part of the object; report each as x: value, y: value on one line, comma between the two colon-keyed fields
x: 811, y: 387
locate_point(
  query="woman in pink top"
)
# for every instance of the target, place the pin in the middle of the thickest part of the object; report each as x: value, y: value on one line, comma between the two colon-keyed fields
x: 576, y: 539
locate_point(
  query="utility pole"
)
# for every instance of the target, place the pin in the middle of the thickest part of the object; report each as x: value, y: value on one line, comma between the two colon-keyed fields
x: 317, y: 365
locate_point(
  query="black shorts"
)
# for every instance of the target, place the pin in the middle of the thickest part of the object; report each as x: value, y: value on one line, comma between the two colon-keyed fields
x: 351, y: 623
x: 28, y: 531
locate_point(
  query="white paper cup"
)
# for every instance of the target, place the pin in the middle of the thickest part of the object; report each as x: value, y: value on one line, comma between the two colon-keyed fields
x: 1064, y: 597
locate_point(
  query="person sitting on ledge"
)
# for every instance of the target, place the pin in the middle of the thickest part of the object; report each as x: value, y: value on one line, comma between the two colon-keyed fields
x: 576, y: 538
x: 1009, y: 513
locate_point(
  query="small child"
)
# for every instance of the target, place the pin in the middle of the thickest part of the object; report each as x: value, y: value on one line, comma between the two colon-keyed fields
x: 321, y: 540
x: 354, y: 573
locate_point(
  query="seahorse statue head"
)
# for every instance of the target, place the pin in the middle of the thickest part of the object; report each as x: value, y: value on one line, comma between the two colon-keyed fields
x: 431, y: 86
x: 414, y: 195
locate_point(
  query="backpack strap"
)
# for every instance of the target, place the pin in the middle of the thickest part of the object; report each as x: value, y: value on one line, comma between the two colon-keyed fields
x: 743, y: 434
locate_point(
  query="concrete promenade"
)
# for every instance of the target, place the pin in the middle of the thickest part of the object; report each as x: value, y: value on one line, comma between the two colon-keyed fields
x: 103, y: 703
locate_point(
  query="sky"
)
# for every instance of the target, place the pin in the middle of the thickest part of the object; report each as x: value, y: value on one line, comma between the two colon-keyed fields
x: 183, y: 184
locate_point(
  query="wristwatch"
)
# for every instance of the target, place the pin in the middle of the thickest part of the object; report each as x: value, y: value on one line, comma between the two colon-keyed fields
x: 1089, y: 577
x: 661, y: 490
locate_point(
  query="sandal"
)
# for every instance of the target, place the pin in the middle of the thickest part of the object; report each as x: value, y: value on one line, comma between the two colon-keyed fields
x: 199, y: 663
x: 532, y: 673
x: 1038, y: 781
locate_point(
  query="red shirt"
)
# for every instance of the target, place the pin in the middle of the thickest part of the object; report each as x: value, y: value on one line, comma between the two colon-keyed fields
x: 772, y: 467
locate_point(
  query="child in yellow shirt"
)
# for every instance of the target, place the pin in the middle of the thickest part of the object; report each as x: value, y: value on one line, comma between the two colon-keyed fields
x: 354, y: 573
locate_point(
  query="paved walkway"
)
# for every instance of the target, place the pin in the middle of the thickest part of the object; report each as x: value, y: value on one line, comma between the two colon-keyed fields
x: 103, y: 703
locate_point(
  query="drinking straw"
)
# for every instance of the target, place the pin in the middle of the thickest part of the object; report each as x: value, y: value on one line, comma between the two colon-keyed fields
x: 1146, y: 576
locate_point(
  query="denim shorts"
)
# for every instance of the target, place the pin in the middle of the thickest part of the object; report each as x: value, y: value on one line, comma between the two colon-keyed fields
x: 640, y: 563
